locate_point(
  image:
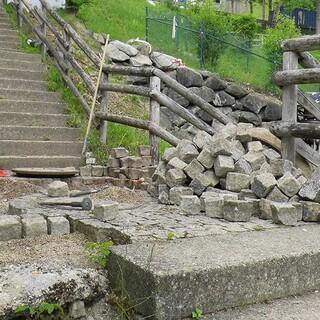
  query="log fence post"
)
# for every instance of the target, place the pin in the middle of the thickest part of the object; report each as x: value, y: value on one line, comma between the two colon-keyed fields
x: 44, y: 32
x: 155, y: 84
x: 19, y: 11
x: 104, y: 108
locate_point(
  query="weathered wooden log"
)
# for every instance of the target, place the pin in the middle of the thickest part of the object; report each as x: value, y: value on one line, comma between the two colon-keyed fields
x: 181, y: 111
x: 299, y: 76
x: 298, y: 130
x: 195, y: 99
x: 307, y: 152
x: 140, y: 124
x: 309, y: 104
x: 307, y: 60
x: 306, y: 43
x: 104, y: 106
x: 125, y: 88
x: 126, y: 70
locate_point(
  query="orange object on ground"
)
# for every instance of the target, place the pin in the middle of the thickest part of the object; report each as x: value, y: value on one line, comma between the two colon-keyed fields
x: 4, y: 173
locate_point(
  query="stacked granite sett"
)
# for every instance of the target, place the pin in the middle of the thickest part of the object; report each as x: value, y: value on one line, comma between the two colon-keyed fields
x: 230, y: 176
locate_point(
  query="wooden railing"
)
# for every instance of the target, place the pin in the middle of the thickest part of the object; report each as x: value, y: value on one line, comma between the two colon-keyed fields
x: 59, y: 39
x: 292, y: 132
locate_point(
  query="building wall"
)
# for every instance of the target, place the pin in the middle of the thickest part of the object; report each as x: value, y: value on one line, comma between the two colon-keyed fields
x: 235, y: 6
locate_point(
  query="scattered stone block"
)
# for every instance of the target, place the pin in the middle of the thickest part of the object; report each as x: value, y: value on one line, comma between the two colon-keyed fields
x: 146, y: 161
x: 271, y: 154
x: 214, y: 207
x: 223, y: 183
x: 202, y: 139
x: 237, y: 181
x: 215, y: 83
x: 206, y: 159
x: 299, y: 210
x: 199, y: 184
x: 106, y: 211
x: 243, y: 166
x: 254, y: 102
x: 175, y: 194
x: 164, y: 61
x: 114, y: 172
x: 187, y: 151
x: 220, y: 146
x: 310, y: 211
x: 284, y: 213
x: 193, y: 169
x: 169, y: 154
x: 311, y: 188
x: 263, y: 184
x: 205, y: 93
x: 189, y: 77
x: 159, y: 174
x: 124, y: 162
x: 237, y: 91
x: 302, y: 180
x: 243, y: 132
x: 144, y: 151
x: 255, y: 206
x: 77, y: 310
x: 10, y: 227
x: 223, y: 165
x: 176, y: 163
x: 246, y: 194
x: 58, y: 226
x: 115, y: 54
x: 205, y: 195
x: 175, y: 177
x: 280, y: 166
x: 97, y: 171
x: 34, y: 226
x: 119, y: 152
x: 289, y: 185
x: 265, y: 209
x: 133, y: 173
x: 255, y: 146
x: 225, y: 99
x: 85, y: 171
x: 58, y: 189
x: 214, y: 180
x: 265, y: 168
x: 237, y: 150
x: 255, y: 159
x: 297, y: 172
x: 237, y: 210
x: 114, y: 163
x: 163, y: 191
x: 190, y: 205
x: 277, y: 196
x: 134, y: 162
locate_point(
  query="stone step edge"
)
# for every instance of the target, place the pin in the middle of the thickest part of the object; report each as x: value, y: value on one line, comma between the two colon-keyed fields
x: 56, y: 115
x: 24, y: 101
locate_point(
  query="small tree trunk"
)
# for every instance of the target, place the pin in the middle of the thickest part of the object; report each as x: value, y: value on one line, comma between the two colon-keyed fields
x: 263, y: 10
x: 251, y: 6
x: 318, y: 17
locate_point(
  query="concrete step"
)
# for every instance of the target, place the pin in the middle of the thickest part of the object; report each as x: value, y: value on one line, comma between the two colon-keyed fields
x: 22, y: 65
x: 8, y: 32
x: 5, y: 25
x: 32, y: 107
x: 39, y: 133
x: 10, y: 162
x: 10, y: 45
x: 33, y: 119
x: 214, y: 273
x: 23, y: 84
x: 5, y: 37
x: 20, y: 56
x: 30, y: 95
x: 13, y: 73
x: 40, y: 148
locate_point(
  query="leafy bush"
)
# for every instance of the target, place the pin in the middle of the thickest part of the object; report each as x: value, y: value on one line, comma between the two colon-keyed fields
x: 76, y: 3
x: 43, y: 311
x: 245, y: 26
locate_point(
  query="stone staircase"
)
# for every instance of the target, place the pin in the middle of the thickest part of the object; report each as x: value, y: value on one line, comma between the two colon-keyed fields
x: 33, y: 122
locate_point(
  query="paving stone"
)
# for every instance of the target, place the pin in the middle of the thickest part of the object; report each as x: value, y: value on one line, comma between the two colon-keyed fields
x: 243, y: 166
x: 227, y: 131
x: 237, y: 210
x: 106, y: 210
x: 58, y: 189
x: 77, y: 310
x: 255, y: 146
x: 163, y: 197
x: 134, y: 162
x: 302, y: 180
x: 193, y: 169
x: 175, y: 177
x: 146, y: 161
x: 243, y: 134
x: 246, y: 193
x: 271, y: 154
x: 58, y: 226
x: 10, y: 227
x: 299, y: 210
x: 169, y: 154
x: 280, y: 166
x: 255, y: 206
x: 176, y: 163
x: 160, y: 173
x: 220, y: 146
x: 187, y: 151
x: 85, y: 171
x: 119, y: 152
x: 265, y: 209
x: 21, y: 206
x: 223, y: 165
x: 237, y: 181
x: 311, y: 188
x: 113, y: 163
x: 223, y: 183
x: 144, y: 150
x: 237, y: 150
x: 97, y: 171
x: 310, y: 211
x: 124, y: 162
x: 255, y: 159
x: 265, y: 168
x: 190, y: 205
x: 277, y: 196
x: 205, y: 195
x: 206, y: 158
x: 214, y: 207
x: 297, y: 172
x: 202, y: 139
x: 289, y: 185
x: 284, y: 213
x: 34, y: 226
x: 214, y: 180
x: 263, y: 184
x: 175, y: 194
x: 199, y: 184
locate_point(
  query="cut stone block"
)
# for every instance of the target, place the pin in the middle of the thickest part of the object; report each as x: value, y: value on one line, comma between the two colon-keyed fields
x: 119, y: 152
x: 175, y: 177
x: 310, y: 211
x: 223, y: 165
x: 85, y: 171
x: 146, y: 161
x: 237, y: 181
x: 34, y: 226
x: 124, y: 162
x: 58, y: 226
x: 237, y: 210
x: 255, y: 146
x: 243, y: 166
x: 160, y: 173
x: 220, y: 146
x: 187, y: 151
x: 302, y: 180
x: 176, y: 163
x: 280, y: 166
x: 77, y: 310
x: 255, y: 159
x: 202, y: 139
x: 10, y: 227
x: 113, y: 163
x: 189, y: 77
x: 134, y: 162
x: 284, y: 213
x: 107, y: 210
x: 175, y: 194
x: 289, y: 185
x: 144, y: 151
x: 271, y: 154
x: 193, y: 169
x: 297, y: 172
x: 190, y: 205
x: 199, y: 184
x: 311, y: 188
x: 97, y: 171
x: 243, y: 132
x: 214, y: 207
x: 58, y: 189
x: 299, y: 210
x: 206, y: 159
x: 277, y: 196
x: 214, y: 180
x: 265, y: 168
x: 169, y: 154
x: 263, y: 184
x: 237, y: 150
x: 255, y: 206
x: 265, y: 209
x: 246, y: 193
x: 205, y: 195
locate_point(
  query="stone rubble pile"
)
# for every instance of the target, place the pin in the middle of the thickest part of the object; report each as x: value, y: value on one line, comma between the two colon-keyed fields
x: 230, y: 176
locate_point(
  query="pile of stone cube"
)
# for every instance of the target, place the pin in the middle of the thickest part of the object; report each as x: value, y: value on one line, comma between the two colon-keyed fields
x: 230, y: 176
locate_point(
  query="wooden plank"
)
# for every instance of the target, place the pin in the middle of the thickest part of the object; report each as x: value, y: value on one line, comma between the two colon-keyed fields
x: 289, y: 108
x: 309, y: 104
x: 46, y: 172
x: 155, y: 84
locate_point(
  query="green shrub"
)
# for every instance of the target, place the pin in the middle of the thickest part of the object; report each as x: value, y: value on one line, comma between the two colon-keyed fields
x: 245, y: 26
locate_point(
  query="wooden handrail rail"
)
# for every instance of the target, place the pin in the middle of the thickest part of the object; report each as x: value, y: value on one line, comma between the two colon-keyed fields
x: 298, y: 76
